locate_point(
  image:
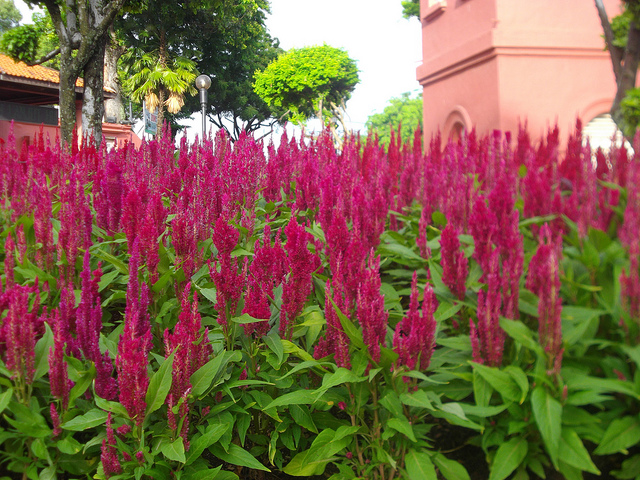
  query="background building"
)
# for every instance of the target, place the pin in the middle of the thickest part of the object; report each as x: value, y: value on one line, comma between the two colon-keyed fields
x: 27, y: 96
x: 492, y: 64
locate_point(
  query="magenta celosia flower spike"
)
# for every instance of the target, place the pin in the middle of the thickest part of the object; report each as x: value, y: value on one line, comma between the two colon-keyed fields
x: 455, y: 267
x: 370, y: 310
x: 58, y: 373
x: 109, y: 455
x: 298, y: 286
x: 414, y: 335
x: 192, y: 350
x: 544, y: 281
x: 20, y: 329
x: 88, y: 326
x: 487, y: 338
x: 335, y: 340
x: 135, y: 345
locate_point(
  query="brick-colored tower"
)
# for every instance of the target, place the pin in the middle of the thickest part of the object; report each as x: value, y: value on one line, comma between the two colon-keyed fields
x: 491, y: 64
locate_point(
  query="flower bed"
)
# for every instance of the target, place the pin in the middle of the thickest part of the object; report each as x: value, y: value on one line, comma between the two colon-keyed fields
x: 219, y: 313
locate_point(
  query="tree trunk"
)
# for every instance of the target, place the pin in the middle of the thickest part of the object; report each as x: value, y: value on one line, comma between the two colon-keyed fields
x: 82, y: 26
x: 627, y: 79
x: 113, y: 107
x: 67, y: 98
x: 625, y: 62
x: 93, y: 101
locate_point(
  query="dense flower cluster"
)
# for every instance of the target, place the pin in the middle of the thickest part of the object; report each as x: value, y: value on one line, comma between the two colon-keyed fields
x: 296, y: 242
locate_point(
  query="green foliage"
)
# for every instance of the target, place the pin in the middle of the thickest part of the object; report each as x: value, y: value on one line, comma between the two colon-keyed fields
x: 405, y: 112
x: 411, y: 8
x: 32, y: 41
x: 630, y: 108
x: 620, y: 28
x: 226, y: 39
x: 10, y: 16
x: 21, y: 43
x: 308, y: 82
x: 266, y: 404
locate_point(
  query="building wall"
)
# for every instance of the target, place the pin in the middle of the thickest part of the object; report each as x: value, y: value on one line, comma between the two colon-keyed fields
x: 25, y: 132
x: 495, y: 63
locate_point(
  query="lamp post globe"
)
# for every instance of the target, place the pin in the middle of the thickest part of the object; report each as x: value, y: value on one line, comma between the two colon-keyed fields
x: 203, y: 82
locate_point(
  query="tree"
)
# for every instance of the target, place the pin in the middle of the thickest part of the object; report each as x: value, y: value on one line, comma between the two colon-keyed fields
x: 226, y: 39
x: 309, y: 82
x: 10, y: 16
x: 411, y: 8
x: 82, y: 27
x: 622, y: 39
x: 404, y: 111
x: 160, y: 81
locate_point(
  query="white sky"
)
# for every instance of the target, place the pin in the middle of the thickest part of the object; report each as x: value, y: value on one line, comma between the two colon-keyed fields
x: 386, y: 46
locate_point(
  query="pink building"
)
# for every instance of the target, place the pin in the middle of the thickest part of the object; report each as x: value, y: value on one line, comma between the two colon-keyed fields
x: 491, y: 64
x: 27, y: 96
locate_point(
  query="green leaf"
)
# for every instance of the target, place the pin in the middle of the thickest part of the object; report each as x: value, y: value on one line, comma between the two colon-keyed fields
x: 547, y: 412
x: 209, y: 294
x: 630, y: 469
x: 27, y: 422
x: 42, y: 353
x: 419, y: 466
x: 521, y: 334
x: 521, y: 379
x: 446, y: 310
x: 69, y: 445
x: 482, y: 389
x: 274, y: 342
x: 339, y: 377
x: 203, y: 377
x: 403, y: 255
x: 508, y: 457
x: 450, y: 469
x: 349, y: 328
x: 113, y: 407
x: 92, y: 418
x: 621, y: 434
x: 159, y: 386
x: 122, y: 267
x: 418, y: 399
x: 246, y: 319
x: 402, y: 425
x: 314, y: 460
x: 297, y: 397
x: 573, y: 452
x: 174, y: 450
x: 208, y: 474
x: 5, y: 398
x: 501, y: 381
x: 210, y: 436
x: 237, y: 456
x: 302, y: 417
x: 82, y: 384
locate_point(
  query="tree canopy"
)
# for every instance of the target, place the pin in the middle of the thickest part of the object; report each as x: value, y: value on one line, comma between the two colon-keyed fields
x: 82, y: 28
x: 10, y: 16
x: 167, y: 43
x: 309, y: 82
x: 411, y: 8
x: 622, y: 40
x: 404, y: 111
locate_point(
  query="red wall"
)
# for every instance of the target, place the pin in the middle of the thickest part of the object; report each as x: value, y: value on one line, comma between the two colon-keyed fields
x: 489, y: 64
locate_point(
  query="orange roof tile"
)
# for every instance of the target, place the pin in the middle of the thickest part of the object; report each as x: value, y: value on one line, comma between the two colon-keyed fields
x: 37, y: 72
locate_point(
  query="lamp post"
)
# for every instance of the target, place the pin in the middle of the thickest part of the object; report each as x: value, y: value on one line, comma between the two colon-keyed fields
x: 203, y: 82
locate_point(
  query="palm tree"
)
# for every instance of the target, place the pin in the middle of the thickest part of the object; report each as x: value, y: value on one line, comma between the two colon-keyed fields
x: 159, y: 80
